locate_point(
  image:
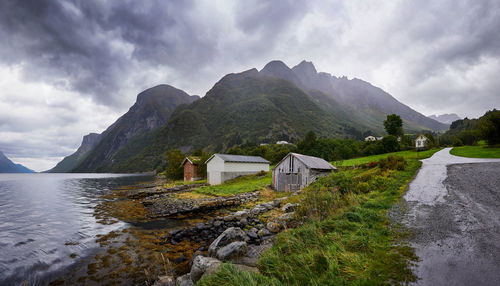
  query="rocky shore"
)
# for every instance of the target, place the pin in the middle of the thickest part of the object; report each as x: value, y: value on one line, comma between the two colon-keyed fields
x: 239, y: 238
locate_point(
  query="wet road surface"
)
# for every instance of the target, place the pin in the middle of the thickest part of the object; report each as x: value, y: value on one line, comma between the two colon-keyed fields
x: 454, y: 216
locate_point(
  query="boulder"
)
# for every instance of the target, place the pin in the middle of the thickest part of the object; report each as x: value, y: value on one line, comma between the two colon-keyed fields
x: 243, y: 221
x: 288, y: 208
x: 229, y: 235
x: 241, y: 214
x: 286, y: 217
x: 184, y: 280
x: 258, y: 209
x: 263, y: 232
x: 273, y: 227
x: 233, y: 250
x: 201, y: 265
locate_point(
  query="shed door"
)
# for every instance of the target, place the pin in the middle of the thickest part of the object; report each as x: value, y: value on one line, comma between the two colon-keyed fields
x: 289, y: 181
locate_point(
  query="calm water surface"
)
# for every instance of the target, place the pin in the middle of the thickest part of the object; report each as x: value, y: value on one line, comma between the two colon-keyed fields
x: 44, y: 218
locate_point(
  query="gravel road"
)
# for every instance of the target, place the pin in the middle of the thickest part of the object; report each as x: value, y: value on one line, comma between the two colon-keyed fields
x: 454, y: 216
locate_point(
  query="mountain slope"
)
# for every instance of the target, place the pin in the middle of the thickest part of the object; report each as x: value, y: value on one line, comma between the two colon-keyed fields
x: 244, y: 107
x: 372, y: 101
x: 152, y: 109
x: 70, y: 162
x: 7, y: 166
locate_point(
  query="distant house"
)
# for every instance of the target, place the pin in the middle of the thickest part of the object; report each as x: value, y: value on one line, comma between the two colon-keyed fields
x: 380, y: 138
x: 370, y: 138
x: 421, y: 142
x: 223, y: 167
x: 190, y: 165
x: 296, y: 171
x: 282, y: 143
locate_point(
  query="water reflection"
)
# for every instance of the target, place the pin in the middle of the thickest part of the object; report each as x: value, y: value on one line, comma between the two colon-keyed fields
x: 44, y: 218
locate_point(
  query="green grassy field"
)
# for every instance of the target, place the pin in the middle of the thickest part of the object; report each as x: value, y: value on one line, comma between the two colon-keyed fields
x: 405, y: 154
x: 237, y: 186
x: 346, y: 238
x: 479, y: 151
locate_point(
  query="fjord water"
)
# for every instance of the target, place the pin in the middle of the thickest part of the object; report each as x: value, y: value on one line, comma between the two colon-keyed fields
x: 45, y: 218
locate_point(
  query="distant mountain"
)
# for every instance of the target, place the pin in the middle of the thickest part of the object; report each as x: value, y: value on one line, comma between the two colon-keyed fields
x: 70, y: 162
x: 372, y: 102
x: 152, y: 109
x: 7, y: 166
x: 446, y: 118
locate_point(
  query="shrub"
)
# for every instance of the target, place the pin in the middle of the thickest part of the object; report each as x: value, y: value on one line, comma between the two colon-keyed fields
x: 392, y: 163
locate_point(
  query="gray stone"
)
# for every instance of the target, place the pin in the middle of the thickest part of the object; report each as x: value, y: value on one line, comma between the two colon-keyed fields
x: 228, y: 218
x: 273, y: 226
x: 289, y: 207
x: 246, y: 268
x: 218, y: 223
x: 268, y: 206
x: 201, y: 264
x: 252, y: 233
x: 287, y: 216
x: 263, y: 232
x: 257, y: 210
x: 184, y: 280
x: 241, y: 214
x: 243, y: 221
x: 229, y: 235
x: 233, y: 250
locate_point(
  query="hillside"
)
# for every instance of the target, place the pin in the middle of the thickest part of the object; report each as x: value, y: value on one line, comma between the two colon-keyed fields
x: 244, y: 107
x: 7, y: 166
x: 151, y: 110
x: 276, y: 103
x: 70, y: 162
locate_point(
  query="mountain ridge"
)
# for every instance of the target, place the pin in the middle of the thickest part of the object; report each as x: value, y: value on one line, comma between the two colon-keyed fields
x: 7, y: 166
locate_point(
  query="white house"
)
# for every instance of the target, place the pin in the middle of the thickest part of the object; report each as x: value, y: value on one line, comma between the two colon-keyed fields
x: 282, y: 143
x: 421, y: 142
x: 296, y: 171
x: 370, y: 138
x: 223, y: 167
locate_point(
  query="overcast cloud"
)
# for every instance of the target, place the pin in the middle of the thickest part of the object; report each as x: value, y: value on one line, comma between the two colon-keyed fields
x: 68, y: 68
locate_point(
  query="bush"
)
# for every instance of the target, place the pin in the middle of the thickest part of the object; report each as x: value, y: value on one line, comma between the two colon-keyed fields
x: 392, y: 163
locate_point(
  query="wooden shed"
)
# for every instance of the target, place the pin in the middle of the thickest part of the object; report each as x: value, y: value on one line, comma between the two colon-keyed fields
x: 296, y: 171
x: 223, y: 167
x: 190, y: 165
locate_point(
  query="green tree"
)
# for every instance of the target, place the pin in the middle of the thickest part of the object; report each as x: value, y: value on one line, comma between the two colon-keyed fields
x: 174, y: 170
x: 393, y: 125
x: 390, y: 143
x: 489, y: 127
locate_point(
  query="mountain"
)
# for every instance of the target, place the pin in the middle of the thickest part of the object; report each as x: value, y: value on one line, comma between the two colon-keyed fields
x: 70, y: 162
x: 372, y: 102
x: 275, y: 103
x: 7, y: 166
x: 446, y: 118
x: 152, y: 109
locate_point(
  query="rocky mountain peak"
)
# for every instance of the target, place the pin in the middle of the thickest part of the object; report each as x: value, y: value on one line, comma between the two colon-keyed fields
x: 280, y: 70
x: 305, y: 70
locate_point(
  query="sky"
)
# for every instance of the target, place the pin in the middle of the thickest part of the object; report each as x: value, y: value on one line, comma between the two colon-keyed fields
x: 69, y: 68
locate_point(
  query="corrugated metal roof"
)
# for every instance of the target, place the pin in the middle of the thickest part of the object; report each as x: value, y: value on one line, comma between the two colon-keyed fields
x: 314, y: 162
x: 240, y: 158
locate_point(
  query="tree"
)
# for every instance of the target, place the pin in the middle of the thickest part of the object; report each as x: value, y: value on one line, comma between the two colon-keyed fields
x: 390, y: 143
x: 489, y: 127
x: 174, y: 170
x: 393, y: 125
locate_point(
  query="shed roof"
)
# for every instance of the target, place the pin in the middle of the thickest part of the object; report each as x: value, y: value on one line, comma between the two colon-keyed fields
x: 240, y: 158
x: 311, y: 162
x: 192, y: 159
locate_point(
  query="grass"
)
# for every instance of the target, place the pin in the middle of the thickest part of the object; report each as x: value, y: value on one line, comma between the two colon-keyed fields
x: 479, y: 151
x: 236, y: 186
x: 405, y: 154
x: 346, y: 237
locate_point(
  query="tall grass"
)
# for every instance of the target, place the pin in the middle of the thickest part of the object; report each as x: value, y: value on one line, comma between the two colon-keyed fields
x: 346, y: 237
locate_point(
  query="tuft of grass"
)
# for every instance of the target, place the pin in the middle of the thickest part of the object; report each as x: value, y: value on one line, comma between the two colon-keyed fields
x: 236, y: 186
x: 346, y: 237
x: 479, y: 151
x: 405, y: 154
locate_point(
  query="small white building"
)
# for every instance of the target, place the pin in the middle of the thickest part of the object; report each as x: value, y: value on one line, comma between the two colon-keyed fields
x: 421, y: 142
x: 223, y: 167
x: 370, y: 138
x: 282, y: 143
x: 296, y: 171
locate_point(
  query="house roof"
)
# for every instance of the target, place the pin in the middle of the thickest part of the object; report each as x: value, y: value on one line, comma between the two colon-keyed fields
x: 311, y: 162
x: 239, y: 158
x: 192, y: 159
